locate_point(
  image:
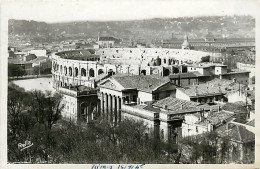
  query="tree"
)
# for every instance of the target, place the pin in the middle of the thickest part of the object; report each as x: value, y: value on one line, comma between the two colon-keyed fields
x: 15, y: 70
x: 206, y: 148
x: 205, y: 59
x: 47, y: 110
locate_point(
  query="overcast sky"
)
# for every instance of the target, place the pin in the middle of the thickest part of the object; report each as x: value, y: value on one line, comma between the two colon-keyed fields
x: 104, y: 10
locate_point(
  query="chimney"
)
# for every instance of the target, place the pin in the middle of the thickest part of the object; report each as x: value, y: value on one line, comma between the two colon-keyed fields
x: 210, y: 127
x: 138, y: 100
x: 219, y: 108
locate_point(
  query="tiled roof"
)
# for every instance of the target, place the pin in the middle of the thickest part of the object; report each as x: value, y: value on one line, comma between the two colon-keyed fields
x: 179, y: 105
x: 206, y: 64
x: 240, y: 133
x: 216, y: 117
x: 235, y: 107
x: 107, y: 38
x: 101, y: 77
x: 151, y: 108
x: 185, y: 75
x: 141, y: 82
x: 213, y: 87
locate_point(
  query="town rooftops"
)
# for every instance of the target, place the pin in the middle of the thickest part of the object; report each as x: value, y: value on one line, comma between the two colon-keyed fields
x: 194, y: 74
x: 237, y: 107
x: 206, y: 64
x: 240, y: 133
x: 107, y: 38
x: 174, y: 105
x: 236, y: 71
x: 216, y: 118
x: 36, y: 60
x: 139, y: 82
x: 213, y: 87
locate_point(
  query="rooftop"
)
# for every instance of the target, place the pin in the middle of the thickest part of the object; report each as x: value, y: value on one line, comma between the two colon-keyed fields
x: 240, y: 133
x: 216, y: 118
x: 140, y: 82
x: 206, y: 64
x: 238, y: 107
x: 107, y: 38
x: 175, y: 105
x: 185, y: 75
x: 213, y: 87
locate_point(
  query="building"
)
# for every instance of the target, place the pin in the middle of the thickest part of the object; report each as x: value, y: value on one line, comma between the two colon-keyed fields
x: 208, y: 68
x: 107, y: 41
x: 38, y: 52
x: 164, y: 117
x: 241, y: 142
x: 189, y: 78
x: 80, y: 103
x: 215, y: 90
x: 240, y: 76
x: 185, y: 44
x: 131, y: 90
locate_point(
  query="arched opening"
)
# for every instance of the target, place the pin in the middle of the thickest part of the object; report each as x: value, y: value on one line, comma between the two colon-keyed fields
x: 70, y: 71
x: 110, y: 72
x: 166, y: 72
x: 91, y: 73
x: 176, y: 70
x: 184, y: 69
x: 61, y: 68
x: 65, y: 85
x: 158, y: 62
x: 76, y: 72
x: 65, y: 70
x: 143, y: 72
x: 83, y: 72
x: 100, y: 71
x: 83, y: 108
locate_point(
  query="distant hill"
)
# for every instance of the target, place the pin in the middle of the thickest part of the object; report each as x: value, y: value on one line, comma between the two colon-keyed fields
x: 194, y: 27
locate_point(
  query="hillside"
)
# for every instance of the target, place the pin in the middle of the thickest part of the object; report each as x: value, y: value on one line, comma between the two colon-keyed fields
x: 195, y: 27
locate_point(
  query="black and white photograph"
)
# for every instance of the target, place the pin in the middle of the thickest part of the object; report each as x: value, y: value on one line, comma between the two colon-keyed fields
x: 129, y: 84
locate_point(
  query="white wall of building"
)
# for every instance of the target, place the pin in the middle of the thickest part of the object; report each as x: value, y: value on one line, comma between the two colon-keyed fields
x: 181, y: 95
x: 144, y: 96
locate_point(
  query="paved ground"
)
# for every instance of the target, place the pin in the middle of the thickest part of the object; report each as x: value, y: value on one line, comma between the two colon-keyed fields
x: 42, y: 84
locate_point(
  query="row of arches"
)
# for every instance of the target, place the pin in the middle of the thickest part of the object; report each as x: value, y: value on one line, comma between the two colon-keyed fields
x: 75, y: 72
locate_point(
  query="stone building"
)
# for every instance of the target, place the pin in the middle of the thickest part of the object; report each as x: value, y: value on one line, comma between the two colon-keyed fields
x: 121, y: 90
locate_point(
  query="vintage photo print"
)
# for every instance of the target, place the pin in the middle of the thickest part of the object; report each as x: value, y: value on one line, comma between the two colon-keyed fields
x: 129, y: 84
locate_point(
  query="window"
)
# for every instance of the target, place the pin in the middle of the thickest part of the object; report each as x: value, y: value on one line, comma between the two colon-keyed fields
x: 197, y: 130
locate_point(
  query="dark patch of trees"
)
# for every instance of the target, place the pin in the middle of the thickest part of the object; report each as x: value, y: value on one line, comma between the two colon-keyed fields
x: 15, y: 70
x: 205, y: 59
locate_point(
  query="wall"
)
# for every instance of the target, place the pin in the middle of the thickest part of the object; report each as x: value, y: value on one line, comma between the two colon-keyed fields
x: 242, y: 77
x: 235, y: 96
x: 145, y: 96
x: 182, y: 95
x: 190, y: 128
x: 70, y: 107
